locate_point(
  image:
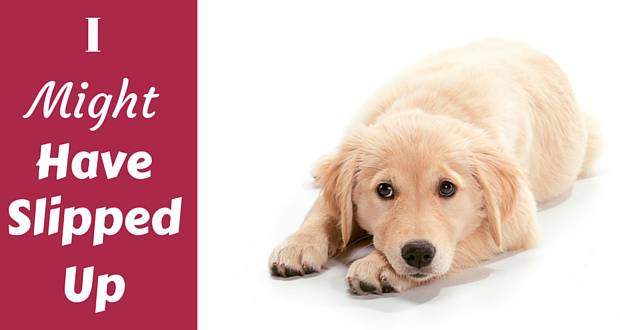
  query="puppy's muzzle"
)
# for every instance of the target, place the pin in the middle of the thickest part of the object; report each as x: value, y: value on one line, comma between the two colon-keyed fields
x: 418, y: 253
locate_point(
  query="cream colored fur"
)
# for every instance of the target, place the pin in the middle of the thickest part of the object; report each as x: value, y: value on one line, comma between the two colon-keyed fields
x: 496, y: 118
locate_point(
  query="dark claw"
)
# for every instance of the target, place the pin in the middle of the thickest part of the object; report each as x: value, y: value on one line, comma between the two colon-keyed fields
x: 274, y: 270
x: 386, y: 288
x: 366, y: 287
x: 288, y: 272
x: 308, y: 270
x: 351, y: 287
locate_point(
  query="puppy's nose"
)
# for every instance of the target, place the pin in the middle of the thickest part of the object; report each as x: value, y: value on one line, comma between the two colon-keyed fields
x: 418, y: 253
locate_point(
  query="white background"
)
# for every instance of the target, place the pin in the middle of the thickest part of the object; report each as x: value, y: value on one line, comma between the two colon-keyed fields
x: 278, y: 82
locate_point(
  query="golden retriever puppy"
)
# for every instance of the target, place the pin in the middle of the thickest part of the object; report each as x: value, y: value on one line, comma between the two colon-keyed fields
x: 444, y: 168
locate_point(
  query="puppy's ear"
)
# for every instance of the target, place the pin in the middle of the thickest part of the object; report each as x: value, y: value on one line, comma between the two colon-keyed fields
x: 321, y: 167
x: 499, y: 178
x: 335, y: 174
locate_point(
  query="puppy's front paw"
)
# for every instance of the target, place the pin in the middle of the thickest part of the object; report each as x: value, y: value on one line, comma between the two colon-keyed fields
x: 373, y: 274
x: 298, y: 256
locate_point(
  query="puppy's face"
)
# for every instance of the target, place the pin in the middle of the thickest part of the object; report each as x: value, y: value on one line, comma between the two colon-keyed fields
x: 417, y: 186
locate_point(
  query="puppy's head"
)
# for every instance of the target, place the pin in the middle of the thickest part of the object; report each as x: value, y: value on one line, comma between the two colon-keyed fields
x: 420, y: 184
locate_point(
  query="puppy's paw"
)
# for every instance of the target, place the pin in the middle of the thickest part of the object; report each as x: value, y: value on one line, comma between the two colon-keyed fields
x: 298, y: 256
x: 373, y: 274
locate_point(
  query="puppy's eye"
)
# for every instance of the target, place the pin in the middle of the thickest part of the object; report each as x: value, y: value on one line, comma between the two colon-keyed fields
x: 385, y: 190
x: 447, y: 189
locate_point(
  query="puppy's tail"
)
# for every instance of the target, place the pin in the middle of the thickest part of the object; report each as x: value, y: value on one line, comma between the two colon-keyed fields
x: 593, y: 148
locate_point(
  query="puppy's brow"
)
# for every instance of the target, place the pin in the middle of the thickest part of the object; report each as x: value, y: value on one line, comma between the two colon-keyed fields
x: 449, y: 173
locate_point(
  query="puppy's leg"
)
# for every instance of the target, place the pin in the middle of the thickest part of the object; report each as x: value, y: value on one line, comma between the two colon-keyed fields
x: 373, y: 274
x: 307, y: 250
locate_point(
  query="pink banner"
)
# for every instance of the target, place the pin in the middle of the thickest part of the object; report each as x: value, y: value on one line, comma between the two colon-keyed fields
x: 98, y: 130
